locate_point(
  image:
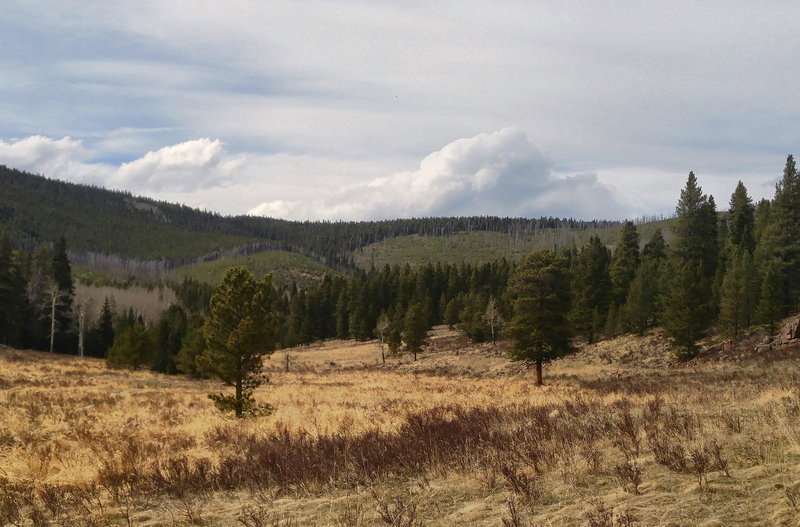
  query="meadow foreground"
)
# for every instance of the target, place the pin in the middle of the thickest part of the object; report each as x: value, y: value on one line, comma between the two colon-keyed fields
x: 459, y: 437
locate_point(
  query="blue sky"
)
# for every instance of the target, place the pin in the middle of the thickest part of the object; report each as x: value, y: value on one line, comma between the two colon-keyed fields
x: 370, y: 109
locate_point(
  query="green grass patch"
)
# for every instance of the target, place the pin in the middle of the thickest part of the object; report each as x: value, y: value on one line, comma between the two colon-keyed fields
x: 286, y: 267
x: 484, y: 246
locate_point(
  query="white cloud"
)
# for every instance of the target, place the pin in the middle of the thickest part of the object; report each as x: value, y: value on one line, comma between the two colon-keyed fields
x: 323, y: 95
x: 187, y: 166
x: 42, y: 155
x: 501, y: 173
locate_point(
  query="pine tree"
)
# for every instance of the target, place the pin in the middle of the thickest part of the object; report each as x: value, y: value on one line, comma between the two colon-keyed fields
x: 471, y: 320
x: 168, y: 336
x: 451, y: 312
x: 687, y: 314
x: 240, y: 331
x: 101, y: 337
x: 394, y: 340
x: 19, y: 313
x: 761, y: 219
x: 696, y: 228
x: 770, y: 305
x: 741, y: 218
x: 132, y: 348
x: 612, y: 322
x: 415, y: 328
x: 782, y: 239
x: 8, y: 304
x: 733, y: 294
x: 342, y: 315
x: 62, y: 279
x: 656, y: 247
x: 625, y: 262
x: 640, y: 308
x: 189, y: 359
x: 540, y: 291
x: 592, y: 287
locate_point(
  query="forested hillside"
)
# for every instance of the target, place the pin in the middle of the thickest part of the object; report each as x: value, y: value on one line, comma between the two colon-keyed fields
x: 136, y: 230
x: 722, y: 271
x: 726, y: 269
x: 478, y: 247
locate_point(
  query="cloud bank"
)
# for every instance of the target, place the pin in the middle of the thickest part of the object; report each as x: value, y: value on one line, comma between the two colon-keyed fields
x: 501, y: 173
x: 625, y: 98
x: 184, y: 167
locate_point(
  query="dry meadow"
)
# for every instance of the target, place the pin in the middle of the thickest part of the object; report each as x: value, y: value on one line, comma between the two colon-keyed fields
x: 460, y: 437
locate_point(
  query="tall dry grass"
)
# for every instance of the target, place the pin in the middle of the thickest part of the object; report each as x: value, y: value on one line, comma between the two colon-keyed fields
x: 360, y: 444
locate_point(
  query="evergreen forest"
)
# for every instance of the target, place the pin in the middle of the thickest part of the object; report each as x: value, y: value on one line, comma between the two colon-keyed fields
x: 718, y: 269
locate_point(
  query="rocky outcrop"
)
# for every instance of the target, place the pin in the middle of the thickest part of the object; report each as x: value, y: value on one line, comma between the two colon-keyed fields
x: 789, y: 334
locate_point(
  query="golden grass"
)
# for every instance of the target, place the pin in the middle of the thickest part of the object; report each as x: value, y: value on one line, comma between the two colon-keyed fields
x: 63, y: 419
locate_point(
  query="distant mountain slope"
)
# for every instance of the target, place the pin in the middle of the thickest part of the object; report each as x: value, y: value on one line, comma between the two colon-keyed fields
x: 154, y: 234
x: 34, y: 210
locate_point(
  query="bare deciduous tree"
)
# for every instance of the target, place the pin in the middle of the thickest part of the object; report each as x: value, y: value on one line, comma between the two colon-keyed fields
x: 493, y: 318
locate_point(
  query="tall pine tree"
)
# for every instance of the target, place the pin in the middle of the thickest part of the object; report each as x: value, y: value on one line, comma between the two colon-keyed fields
x: 741, y: 219
x: 696, y: 228
x: 62, y: 280
x: 781, y: 237
x: 735, y: 294
x: 625, y: 262
x: 539, y: 328
x: 591, y: 283
x: 686, y: 317
x: 770, y: 304
x: 240, y: 331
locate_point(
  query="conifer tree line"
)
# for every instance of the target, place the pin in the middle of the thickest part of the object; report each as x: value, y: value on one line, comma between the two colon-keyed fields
x: 36, y: 297
x: 726, y: 269
x: 115, y: 229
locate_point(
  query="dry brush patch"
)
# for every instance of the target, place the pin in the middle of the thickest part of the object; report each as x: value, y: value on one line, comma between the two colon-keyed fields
x: 371, y: 446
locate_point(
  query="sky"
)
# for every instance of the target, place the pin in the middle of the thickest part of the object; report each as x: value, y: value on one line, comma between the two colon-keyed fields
x: 360, y: 110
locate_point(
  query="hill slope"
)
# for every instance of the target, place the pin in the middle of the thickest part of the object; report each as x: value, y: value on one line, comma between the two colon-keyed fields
x: 36, y: 210
x: 479, y: 247
x: 286, y: 267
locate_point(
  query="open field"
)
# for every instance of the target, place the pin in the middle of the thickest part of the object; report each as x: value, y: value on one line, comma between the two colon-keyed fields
x: 479, y: 247
x: 459, y: 437
x: 286, y: 267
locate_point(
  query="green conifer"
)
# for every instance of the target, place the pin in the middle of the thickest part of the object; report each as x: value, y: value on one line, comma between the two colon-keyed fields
x: 540, y: 290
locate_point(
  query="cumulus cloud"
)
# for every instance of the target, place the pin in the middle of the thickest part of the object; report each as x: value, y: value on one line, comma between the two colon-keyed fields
x: 42, y: 155
x: 184, y: 167
x: 501, y: 173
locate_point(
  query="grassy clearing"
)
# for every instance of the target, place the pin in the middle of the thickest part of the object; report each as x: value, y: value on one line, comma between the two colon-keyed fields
x: 286, y: 267
x: 481, y: 247
x: 460, y: 437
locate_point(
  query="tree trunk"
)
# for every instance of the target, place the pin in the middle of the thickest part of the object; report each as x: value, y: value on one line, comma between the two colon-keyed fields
x: 239, y: 398
x: 81, y: 317
x: 538, y: 373
x: 52, y: 320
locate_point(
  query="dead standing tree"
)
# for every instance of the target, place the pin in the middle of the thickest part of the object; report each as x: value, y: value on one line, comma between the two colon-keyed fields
x: 493, y: 318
